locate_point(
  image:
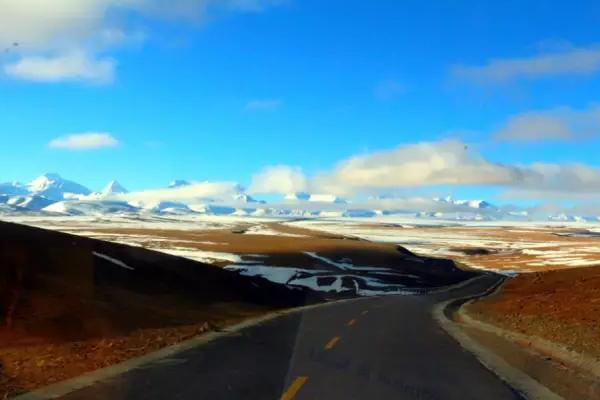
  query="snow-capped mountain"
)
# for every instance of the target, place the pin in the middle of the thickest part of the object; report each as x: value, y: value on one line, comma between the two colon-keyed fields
x: 54, y: 187
x: 90, y: 207
x: 212, y: 209
x: 110, y: 190
x: 477, y: 204
x: 563, y: 217
x: 52, y: 194
x: 473, y: 203
x: 113, y: 187
x: 170, y: 207
x: 245, y: 198
x: 29, y: 202
x: 430, y: 214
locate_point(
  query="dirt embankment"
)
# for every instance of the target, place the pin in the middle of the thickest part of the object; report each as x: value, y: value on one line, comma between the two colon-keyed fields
x: 69, y: 304
x: 561, y: 306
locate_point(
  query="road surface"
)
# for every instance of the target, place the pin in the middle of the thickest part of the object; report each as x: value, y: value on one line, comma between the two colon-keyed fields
x: 379, y: 348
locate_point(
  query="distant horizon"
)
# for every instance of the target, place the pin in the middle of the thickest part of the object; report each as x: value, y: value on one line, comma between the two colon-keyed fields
x: 243, y: 188
x: 413, y: 99
x: 54, y: 189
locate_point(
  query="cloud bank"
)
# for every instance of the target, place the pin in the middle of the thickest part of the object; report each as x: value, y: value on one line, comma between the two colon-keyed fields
x: 66, y: 67
x: 423, y: 164
x: 557, y: 124
x: 429, y: 164
x: 84, y: 141
x: 195, y: 192
x: 279, y: 179
x: 572, y: 61
x: 61, y: 40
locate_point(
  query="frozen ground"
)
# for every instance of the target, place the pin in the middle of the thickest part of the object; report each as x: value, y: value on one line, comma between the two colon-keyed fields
x: 150, y: 221
x: 504, y: 247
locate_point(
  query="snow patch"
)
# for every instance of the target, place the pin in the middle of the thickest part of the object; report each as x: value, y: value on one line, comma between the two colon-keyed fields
x: 263, y: 230
x: 113, y: 260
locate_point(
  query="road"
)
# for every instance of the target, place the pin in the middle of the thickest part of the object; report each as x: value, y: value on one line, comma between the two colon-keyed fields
x: 379, y: 348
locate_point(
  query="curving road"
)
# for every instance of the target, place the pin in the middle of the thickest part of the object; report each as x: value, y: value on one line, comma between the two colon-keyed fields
x: 378, y: 348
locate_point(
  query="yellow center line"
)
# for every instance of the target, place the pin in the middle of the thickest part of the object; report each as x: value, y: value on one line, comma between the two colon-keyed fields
x: 351, y: 322
x: 331, y: 344
x: 294, y: 388
x: 365, y: 312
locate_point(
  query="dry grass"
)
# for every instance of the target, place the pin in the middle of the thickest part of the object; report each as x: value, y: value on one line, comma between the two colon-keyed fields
x: 560, y: 306
x: 26, y: 367
x: 503, y: 248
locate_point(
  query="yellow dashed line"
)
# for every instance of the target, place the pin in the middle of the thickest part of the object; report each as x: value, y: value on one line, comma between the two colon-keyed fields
x: 331, y: 344
x: 294, y: 388
x: 351, y: 322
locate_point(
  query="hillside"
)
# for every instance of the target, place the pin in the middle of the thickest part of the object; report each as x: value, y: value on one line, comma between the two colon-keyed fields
x: 70, y: 304
x: 54, y: 282
x: 560, y: 306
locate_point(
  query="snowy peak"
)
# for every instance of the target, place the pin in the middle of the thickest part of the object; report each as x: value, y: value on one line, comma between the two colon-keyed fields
x: 244, y: 198
x: 90, y: 207
x: 29, y: 202
x: 113, y: 187
x: 478, y: 204
x: 53, y: 186
x: 563, y: 217
x: 168, y: 207
x: 474, y: 203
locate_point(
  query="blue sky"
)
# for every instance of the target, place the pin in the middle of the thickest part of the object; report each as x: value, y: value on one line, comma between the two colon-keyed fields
x: 246, y: 84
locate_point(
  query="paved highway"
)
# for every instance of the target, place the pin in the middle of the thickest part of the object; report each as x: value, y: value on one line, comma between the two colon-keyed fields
x: 378, y: 348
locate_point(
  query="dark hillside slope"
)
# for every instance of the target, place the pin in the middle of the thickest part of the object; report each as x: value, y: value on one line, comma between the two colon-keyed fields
x: 63, y: 287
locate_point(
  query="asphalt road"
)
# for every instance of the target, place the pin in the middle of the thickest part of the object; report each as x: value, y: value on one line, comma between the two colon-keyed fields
x: 379, y: 348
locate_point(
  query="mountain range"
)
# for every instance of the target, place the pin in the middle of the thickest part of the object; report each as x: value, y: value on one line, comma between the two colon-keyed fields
x: 52, y: 194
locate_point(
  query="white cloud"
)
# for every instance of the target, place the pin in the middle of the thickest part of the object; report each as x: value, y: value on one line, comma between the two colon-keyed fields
x: 279, y: 179
x: 84, y: 141
x: 429, y: 164
x: 561, y: 124
x: 571, y: 61
x: 422, y: 164
x: 566, y: 178
x: 40, y: 34
x: 263, y: 105
x: 190, y: 194
x: 74, y: 66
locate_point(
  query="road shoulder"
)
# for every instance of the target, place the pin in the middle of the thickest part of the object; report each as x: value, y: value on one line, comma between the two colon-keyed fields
x: 514, y: 377
x: 572, y: 375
